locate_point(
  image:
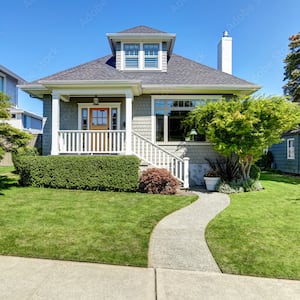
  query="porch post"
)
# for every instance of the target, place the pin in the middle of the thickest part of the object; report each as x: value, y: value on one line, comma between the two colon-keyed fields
x: 129, y: 99
x: 55, y: 123
x: 186, y: 183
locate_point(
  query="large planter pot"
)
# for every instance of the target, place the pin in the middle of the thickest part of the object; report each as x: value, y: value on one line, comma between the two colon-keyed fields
x: 211, y: 183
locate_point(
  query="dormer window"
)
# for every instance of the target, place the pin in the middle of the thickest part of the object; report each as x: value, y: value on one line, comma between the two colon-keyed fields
x: 141, y: 56
x: 131, y: 52
x: 151, y: 56
x: 142, y: 49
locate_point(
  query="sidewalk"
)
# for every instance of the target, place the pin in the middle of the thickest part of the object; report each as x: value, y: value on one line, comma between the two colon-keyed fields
x: 26, y: 278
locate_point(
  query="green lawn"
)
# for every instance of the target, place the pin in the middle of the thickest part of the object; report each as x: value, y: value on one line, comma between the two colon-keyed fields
x: 259, y: 233
x: 90, y: 226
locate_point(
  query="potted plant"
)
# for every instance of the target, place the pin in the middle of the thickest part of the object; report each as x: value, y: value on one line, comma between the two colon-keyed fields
x: 211, y: 179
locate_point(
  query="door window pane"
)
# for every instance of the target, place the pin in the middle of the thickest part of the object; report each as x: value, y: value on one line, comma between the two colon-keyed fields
x: 99, y: 117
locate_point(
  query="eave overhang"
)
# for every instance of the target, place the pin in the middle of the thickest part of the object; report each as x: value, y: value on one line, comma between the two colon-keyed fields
x: 81, y: 87
x: 243, y: 90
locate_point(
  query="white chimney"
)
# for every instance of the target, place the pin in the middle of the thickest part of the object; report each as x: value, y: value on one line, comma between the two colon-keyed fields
x: 225, y: 54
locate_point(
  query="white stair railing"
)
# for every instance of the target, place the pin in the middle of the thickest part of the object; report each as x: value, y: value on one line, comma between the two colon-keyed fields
x: 161, y: 158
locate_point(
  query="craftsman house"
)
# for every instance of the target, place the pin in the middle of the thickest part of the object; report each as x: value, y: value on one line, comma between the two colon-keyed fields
x: 133, y: 100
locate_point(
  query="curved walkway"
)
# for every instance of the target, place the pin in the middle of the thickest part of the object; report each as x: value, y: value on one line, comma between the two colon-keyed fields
x: 178, y: 241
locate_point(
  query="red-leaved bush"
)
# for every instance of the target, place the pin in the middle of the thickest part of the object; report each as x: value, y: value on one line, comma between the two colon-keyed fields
x: 158, y: 181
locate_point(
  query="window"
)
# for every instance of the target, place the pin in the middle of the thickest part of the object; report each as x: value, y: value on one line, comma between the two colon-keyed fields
x: 151, y: 55
x: 141, y: 56
x: 2, y: 84
x: 290, y: 148
x: 84, y: 119
x: 169, y: 114
x: 114, y: 118
x: 99, y: 117
x: 132, y: 55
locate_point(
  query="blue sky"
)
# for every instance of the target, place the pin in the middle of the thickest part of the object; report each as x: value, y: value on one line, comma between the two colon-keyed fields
x: 40, y: 37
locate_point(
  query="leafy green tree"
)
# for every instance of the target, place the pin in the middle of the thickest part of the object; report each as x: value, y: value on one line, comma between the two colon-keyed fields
x: 10, y: 138
x: 292, y: 69
x: 245, y: 127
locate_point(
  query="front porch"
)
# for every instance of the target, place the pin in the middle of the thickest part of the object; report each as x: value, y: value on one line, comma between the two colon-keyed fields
x: 99, y: 121
x: 112, y: 142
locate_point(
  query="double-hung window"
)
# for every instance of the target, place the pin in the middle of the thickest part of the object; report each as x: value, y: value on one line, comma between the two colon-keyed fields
x: 151, y: 55
x: 290, y: 148
x: 131, y: 55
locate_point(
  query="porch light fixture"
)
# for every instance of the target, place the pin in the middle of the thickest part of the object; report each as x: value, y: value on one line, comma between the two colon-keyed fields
x: 96, y: 100
x: 193, y: 133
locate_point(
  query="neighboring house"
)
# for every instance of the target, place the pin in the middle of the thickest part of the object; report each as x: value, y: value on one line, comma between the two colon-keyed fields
x: 133, y: 101
x: 287, y: 154
x: 20, y: 118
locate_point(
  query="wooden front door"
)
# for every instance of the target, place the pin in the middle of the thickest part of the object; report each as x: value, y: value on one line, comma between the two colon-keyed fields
x: 99, y: 120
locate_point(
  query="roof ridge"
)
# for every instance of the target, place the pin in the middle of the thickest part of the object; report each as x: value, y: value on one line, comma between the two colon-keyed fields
x: 141, y: 29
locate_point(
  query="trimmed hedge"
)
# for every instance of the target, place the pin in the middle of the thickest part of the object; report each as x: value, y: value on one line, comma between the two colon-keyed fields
x: 105, y: 173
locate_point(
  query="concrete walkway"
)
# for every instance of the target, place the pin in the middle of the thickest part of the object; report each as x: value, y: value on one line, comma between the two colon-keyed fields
x: 178, y: 241
x: 181, y: 268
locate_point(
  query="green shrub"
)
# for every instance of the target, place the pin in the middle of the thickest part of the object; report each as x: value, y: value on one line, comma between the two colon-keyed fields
x: 23, y: 151
x: 158, y: 181
x: 255, y: 172
x: 228, y: 168
x: 239, y: 186
x: 107, y: 173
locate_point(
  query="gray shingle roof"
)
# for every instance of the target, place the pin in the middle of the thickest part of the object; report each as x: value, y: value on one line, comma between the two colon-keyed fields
x: 180, y: 71
x: 141, y: 29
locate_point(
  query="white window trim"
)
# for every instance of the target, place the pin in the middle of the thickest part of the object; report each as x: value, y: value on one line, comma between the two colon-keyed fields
x: 4, y: 82
x: 289, y: 156
x: 173, y: 97
x: 109, y: 105
x: 141, y: 57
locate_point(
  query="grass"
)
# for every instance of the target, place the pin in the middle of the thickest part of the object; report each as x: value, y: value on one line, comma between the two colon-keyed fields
x: 78, y: 225
x: 259, y: 233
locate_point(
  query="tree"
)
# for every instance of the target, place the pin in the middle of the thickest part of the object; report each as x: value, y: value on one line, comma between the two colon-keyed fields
x: 292, y: 69
x: 245, y: 127
x: 10, y: 138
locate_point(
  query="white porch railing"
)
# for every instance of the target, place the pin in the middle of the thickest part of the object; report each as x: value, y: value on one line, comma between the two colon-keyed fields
x: 91, y: 141
x: 161, y: 158
x: 113, y: 142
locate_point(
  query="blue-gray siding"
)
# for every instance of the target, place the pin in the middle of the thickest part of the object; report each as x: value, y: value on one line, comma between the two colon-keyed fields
x: 279, y: 152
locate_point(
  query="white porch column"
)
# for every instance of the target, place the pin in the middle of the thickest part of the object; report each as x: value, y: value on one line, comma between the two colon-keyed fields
x: 55, y: 123
x: 129, y: 99
x: 186, y: 161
